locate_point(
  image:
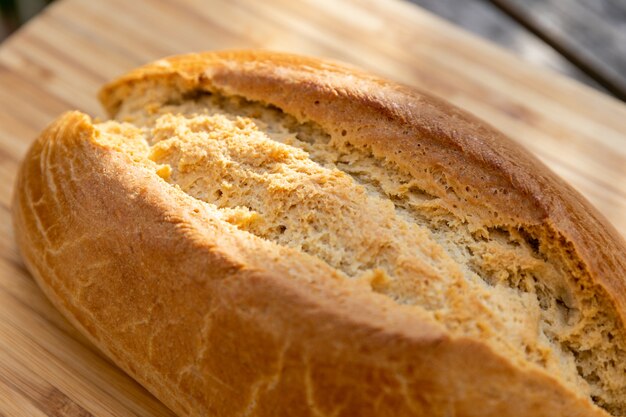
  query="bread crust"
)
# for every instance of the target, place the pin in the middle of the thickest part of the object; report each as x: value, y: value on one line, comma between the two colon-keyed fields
x: 389, y: 117
x: 214, y: 321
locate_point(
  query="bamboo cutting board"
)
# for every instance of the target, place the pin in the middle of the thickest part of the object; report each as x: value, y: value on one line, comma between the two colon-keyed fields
x: 58, y: 61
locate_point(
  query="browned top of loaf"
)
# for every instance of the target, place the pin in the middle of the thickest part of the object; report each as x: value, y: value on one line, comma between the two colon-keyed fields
x: 335, y: 334
x: 507, y: 186
x: 258, y: 275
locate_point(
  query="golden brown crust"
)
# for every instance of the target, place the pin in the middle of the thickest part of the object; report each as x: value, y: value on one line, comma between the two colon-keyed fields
x: 217, y: 322
x: 503, y: 176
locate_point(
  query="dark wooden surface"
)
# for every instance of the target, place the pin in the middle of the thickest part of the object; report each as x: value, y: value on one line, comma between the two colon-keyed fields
x: 487, y: 21
x: 589, y: 33
x: 583, y: 39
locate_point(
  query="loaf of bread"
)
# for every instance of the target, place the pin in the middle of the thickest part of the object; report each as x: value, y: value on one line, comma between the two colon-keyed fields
x: 261, y: 234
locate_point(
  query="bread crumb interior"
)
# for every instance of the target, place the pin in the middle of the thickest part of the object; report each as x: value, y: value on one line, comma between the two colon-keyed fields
x: 295, y: 185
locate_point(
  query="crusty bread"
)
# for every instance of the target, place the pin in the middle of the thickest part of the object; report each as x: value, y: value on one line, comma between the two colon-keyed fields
x: 260, y: 234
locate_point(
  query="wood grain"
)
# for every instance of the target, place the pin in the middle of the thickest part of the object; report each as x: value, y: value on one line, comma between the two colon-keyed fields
x: 590, y: 34
x: 489, y: 22
x: 58, y: 61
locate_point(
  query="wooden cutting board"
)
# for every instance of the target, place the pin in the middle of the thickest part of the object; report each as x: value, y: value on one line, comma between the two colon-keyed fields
x: 58, y: 61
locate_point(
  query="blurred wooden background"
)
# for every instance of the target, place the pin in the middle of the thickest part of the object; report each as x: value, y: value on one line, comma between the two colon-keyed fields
x: 583, y: 39
x: 14, y: 13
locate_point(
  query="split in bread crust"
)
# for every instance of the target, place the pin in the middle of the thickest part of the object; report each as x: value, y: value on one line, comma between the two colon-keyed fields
x: 402, y: 208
